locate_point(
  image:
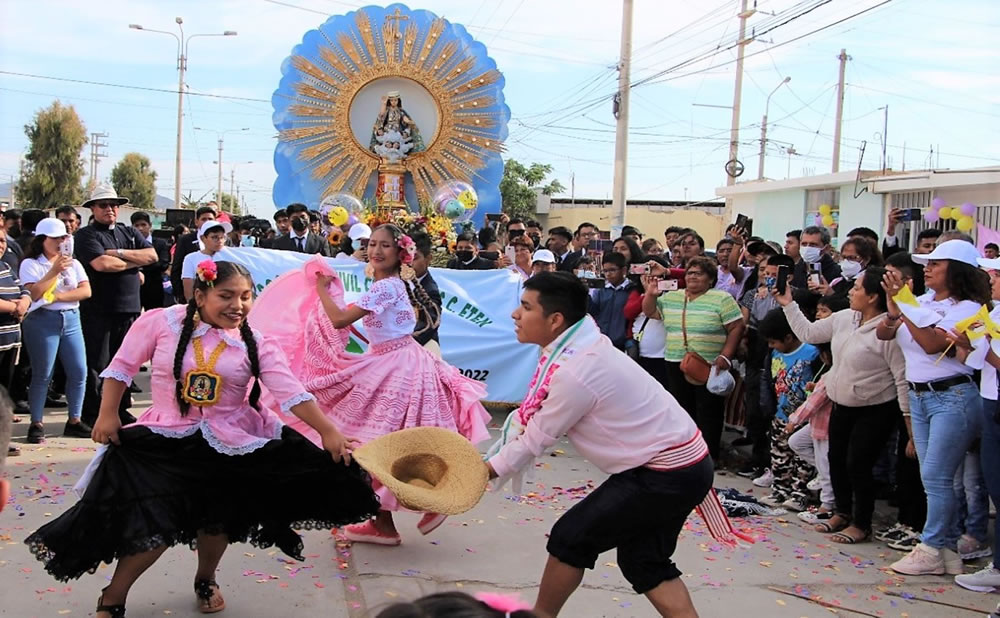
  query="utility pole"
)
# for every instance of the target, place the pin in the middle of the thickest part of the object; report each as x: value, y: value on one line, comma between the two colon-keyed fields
x: 840, y: 110
x: 95, y: 156
x: 218, y: 192
x: 621, y: 115
x: 734, y: 131
x: 763, y: 130
x: 232, y: 187
x: 885, y: 138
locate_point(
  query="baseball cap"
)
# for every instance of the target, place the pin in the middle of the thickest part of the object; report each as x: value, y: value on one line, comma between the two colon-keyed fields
x: 989, y: 264
x: 208, y: 225
x: 359, y: 231
x: 954, y: 250
x: 53, y: 228
x: 544, y: 255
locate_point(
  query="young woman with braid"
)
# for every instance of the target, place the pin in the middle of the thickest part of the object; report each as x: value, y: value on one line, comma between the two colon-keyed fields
x: 397, y: 383
x: 206, y: 465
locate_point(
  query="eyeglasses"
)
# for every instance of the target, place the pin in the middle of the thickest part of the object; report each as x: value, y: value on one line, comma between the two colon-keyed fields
x: 105, y: 205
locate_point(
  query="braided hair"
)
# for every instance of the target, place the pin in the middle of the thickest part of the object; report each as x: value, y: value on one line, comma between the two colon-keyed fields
x: 226, y: 270
x: 426, y: 310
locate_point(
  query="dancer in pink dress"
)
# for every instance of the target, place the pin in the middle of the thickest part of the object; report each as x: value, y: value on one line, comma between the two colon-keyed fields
x: 395, y: 385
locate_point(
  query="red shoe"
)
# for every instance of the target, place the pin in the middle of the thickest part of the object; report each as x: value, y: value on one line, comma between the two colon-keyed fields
x: 4, y: 492
x: 368, y: 533
x: 430, y: 522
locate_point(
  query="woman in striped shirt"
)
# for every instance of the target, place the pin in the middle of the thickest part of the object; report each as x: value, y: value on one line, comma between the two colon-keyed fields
x: 14, y: 303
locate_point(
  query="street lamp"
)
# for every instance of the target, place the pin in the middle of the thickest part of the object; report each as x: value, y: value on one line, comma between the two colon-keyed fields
x: 232, y: 186
x: 763, y: 129
x: 219, y: 134
x: 182, y: 55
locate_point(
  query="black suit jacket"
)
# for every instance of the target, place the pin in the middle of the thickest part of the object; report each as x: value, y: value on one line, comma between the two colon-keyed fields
x: 476, y: 264
x: 151, y: 292
x: 431, y: 334
x: 315, y: 244
x: 568, y: 263
x: 186, y: 244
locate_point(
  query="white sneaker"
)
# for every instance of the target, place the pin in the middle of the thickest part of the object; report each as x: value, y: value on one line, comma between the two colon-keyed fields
x: 923, y: 560
x: 969, y: 548
x: 764, y: 480
x: 773, y: 500
x: 815, y: 484
x: 986, y: 580
x: 795, y: 504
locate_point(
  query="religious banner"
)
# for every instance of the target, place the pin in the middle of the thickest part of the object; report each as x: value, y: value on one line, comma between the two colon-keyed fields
x: 477, y: 332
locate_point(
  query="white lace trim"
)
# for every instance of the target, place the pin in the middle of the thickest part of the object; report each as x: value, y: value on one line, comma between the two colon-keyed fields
x: 288, y: 404
x: 114, y: 374
x: 213, y: 440
x: 175, y: 320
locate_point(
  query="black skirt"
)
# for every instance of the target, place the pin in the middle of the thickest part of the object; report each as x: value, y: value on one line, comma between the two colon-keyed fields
x: 153, y: 491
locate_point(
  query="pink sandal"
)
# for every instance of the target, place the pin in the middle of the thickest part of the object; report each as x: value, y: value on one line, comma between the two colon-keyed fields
x: 430, y: 522
x: 368, y: 533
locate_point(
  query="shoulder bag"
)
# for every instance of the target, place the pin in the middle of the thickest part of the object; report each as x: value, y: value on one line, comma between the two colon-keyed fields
x: 695, y: 368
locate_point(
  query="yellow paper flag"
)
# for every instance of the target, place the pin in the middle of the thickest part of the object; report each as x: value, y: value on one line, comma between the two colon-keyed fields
x: 50, y: 294
x: 905, y: 297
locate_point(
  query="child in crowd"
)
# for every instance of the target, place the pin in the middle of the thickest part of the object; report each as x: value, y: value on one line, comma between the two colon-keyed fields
x: 791, y: 366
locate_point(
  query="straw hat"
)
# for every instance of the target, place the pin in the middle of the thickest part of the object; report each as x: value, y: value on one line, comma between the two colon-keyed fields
x: 104, y: 192
x: 428, y: 469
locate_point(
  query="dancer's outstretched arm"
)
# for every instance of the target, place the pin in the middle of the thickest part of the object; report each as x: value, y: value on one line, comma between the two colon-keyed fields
x: 341, y: 318
x: 338, y: 445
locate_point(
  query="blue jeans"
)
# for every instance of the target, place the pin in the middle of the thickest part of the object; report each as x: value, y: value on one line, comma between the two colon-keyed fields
x: 971, y: 499
x: 46, y: 334
x: 989, y: 455
x: 945, y: 423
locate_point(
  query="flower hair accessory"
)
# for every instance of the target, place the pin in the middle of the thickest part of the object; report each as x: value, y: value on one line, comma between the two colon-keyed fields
x: 408, y: 249
x: 207, y: 271
x: 502, y: 602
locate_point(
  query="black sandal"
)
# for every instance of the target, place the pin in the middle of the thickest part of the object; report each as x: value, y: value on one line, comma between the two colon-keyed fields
x: 116, y: 611
x: 203, y: 589
x: 827, y: 527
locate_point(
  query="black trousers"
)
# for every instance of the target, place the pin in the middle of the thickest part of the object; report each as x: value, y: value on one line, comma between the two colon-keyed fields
x: 910, y: 494
x: 656, y: 367
x: 707, y: 410
x: 758, y: 420
x: 8, y: 365
x: 857, y: 436
x: 102, y: 335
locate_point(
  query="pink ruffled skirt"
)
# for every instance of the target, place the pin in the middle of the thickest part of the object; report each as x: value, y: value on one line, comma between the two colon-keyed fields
x: 397, y: 384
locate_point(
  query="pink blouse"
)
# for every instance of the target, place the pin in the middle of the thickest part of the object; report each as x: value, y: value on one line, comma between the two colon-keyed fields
x: 390, y: 311
x: 232, y: 426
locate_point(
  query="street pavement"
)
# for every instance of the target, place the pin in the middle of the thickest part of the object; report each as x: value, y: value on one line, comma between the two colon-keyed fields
x: 498, y: 546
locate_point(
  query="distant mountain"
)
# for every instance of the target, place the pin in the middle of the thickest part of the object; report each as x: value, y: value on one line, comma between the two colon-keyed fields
x: 162, y: 203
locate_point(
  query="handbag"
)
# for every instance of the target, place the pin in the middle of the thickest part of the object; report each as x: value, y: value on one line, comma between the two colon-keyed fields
x: 695, y: 368
x: 632, y: 344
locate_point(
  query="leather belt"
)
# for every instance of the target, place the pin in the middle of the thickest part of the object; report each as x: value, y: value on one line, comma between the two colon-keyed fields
x: 939, y: 385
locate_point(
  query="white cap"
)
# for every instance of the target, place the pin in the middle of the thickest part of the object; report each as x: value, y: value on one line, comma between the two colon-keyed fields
x: 53, y: 228
x: 989, y: 263
x: 954, y: 250
x: 359, y: 231
x: 544, y: 255
x: 208, y: 225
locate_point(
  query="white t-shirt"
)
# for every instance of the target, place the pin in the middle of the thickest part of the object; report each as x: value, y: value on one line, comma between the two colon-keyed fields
x: 34, y: 270
x: 191, y: 260
x: 654, y: 337
x: 924, y: 367
x: 989, y: 388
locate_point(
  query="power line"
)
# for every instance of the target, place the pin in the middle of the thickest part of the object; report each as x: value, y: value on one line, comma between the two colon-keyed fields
x: 129, y: 87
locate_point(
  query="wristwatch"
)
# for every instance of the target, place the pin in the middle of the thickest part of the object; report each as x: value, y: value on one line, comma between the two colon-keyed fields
x: 121, y: 254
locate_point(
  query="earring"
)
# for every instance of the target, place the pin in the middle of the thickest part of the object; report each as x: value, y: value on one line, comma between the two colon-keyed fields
x: 370, y: 270
x: 406, y: 273
x: 197, y: 317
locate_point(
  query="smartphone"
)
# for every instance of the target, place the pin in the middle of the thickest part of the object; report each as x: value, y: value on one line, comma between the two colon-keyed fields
x: 512, y: 234
x: 911, y: 214
x: 666, y: 285
x: 746, y: 223
x: 594, y: 282
x: 494, y: 218
x: 66, y: 247
x: 781, y: 285
x: 492, y: 256
x: 816, y: 269
x: 599, y: 245
x: 510, y: 252
x: 638, y: 269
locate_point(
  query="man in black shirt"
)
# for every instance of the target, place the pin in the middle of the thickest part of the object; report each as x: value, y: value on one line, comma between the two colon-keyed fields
x: 151, y: 292
x: 112, y: 255
x: 467, y: 255
x: 186, y: 244
x: 421, y: 261
x: 301, y: 238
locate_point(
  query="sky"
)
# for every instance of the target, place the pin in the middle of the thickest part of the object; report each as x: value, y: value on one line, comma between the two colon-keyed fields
x: 935, y: 70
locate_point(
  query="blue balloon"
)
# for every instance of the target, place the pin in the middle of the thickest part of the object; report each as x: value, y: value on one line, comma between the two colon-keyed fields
x: 453, y: 209
x: 295, y: 180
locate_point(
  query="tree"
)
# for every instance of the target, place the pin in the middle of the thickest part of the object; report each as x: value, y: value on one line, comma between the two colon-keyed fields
x: 228, y: 203
x: 53, y: 166
x: 135, y: 179
x: 519, y: 185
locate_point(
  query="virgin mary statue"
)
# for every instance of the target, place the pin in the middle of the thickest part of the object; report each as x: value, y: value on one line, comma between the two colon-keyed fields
x: 392, y: 118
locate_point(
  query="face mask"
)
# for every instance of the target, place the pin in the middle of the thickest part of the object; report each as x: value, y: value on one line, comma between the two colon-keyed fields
x: 357, y: 245
x: 299, y: 224
x: 850, y: 268
x: 811, y: 254
x: 463, y: 256
x: 247, y: 241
